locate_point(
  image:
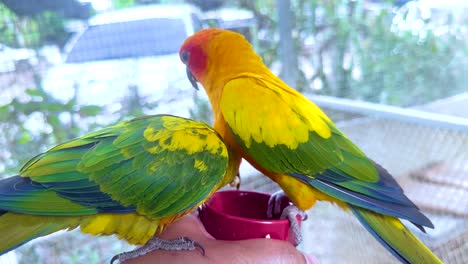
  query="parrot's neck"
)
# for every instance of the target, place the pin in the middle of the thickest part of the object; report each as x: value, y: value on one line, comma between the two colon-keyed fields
x: 244, y: 62
x: 227, y: 65
x: 235, y: 151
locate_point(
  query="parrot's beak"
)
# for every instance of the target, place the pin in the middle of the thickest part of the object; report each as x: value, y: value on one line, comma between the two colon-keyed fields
x: 192, y: 79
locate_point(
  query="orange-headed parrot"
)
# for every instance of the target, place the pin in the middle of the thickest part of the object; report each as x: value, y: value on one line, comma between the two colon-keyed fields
x: 290, y: 140
x: 131, y: 179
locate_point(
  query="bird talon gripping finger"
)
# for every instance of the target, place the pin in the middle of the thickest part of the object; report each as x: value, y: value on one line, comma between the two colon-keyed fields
x: 181, y: 243
x: 291, y: 212
x: 293, y: 142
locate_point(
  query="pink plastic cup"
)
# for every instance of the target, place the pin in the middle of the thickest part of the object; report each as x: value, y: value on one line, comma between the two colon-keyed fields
x: 237, y: 215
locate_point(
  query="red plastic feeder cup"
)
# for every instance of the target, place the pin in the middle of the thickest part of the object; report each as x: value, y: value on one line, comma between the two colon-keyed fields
x: 237, y: 215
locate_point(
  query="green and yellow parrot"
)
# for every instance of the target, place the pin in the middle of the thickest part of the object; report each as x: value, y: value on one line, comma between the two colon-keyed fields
x: 289, y: 139
x: 131, y: 179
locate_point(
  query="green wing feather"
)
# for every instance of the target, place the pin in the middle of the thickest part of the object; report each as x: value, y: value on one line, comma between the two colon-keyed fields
x: 305, y: 140
x: 157, y: 166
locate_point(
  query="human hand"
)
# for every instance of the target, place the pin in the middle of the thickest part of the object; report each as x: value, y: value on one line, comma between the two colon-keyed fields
x: 219, y: 251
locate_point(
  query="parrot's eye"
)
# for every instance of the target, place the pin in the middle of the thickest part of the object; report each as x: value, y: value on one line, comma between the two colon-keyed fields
x: 184, y: 56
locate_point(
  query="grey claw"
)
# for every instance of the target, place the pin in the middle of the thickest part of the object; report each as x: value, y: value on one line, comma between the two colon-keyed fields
x: 274, y: 204
x: 200, y: 246
x: 114, y: 258
x: 278, y: 203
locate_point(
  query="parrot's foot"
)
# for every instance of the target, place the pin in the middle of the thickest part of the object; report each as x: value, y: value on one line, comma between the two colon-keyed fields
x: 291, y: 212
x: 181, y: 243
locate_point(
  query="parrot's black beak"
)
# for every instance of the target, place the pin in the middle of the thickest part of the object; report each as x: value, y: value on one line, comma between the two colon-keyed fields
x: 192, y: 79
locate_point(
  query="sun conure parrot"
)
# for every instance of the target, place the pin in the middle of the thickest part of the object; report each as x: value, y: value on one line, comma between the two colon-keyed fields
x: 289, y: 139
x: 131, y: 179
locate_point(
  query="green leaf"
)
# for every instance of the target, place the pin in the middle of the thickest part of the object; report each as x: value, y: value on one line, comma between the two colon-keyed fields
x: 54, y: 107
x: 25, y: 137
x: 54, y: 121
x: 34, y: 92
x: 90, y: 110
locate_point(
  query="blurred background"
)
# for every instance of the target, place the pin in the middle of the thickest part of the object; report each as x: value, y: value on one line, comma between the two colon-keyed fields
x: 392, y: 74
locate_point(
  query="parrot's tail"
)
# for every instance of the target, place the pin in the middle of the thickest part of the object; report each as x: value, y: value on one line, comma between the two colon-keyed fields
x: 395, y: 237
x: 17, y: 229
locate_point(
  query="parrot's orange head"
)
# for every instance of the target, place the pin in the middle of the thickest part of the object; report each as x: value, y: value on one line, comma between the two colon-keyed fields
x: 213, y: 52
x: 194, y: 53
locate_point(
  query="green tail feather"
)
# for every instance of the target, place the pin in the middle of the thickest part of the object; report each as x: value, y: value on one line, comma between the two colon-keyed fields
x: 394, y: 236
x: 17, y: 229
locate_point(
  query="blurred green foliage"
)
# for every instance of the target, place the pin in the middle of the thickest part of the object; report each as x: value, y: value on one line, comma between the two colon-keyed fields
x: 31, y: 31
x: 36, y: 121
x: 404, y: 69
x: 347, y: 49
x: 33, y: 120
x: 7, y: 26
